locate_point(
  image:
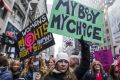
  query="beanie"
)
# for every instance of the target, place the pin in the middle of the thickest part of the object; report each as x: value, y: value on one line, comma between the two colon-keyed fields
x: 74, y: 56
x: 61, y: 56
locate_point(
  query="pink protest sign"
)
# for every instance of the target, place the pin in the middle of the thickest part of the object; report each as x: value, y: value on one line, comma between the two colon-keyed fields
x: 105, y: 57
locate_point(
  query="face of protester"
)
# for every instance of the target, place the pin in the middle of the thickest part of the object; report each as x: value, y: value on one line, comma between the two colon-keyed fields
x: 97, y: 67
x: 31, y: 66
x: 15, y: 65
x: 51, y: 63
x: 74, y: 62
x: 116, y: 72
x: 38, y: 76
x: 62, y: 65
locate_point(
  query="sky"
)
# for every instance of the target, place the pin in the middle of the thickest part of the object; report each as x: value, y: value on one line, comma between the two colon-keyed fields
x: 58, y: 38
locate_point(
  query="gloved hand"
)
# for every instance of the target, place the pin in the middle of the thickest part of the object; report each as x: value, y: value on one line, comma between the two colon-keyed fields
x: 81, y: 41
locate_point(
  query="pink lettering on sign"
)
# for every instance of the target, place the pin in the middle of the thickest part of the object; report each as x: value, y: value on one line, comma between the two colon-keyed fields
x: 11, y: 34
x: 29, y: 40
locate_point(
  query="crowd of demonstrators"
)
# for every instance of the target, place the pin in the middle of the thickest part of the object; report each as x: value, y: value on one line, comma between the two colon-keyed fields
x: 61, y: 67
x: 62, y: 71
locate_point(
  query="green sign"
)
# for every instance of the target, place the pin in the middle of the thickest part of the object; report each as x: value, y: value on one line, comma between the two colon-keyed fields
x: 73, y: 19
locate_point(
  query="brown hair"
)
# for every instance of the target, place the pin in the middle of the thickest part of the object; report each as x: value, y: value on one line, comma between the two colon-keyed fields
x: 3, y: 61
x: 112, y: 70
x: 68, y: 76
x: 96, y: 62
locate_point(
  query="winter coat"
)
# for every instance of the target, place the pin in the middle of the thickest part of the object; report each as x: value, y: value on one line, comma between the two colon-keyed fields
x: 84, y: 61
x: 79, y: 71
x: 91, y: 75
x: 5, y: 74
x: 16, y: 75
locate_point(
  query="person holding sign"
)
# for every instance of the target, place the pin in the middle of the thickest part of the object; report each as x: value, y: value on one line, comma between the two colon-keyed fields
x: 96, y: 72
x: 62, y: 70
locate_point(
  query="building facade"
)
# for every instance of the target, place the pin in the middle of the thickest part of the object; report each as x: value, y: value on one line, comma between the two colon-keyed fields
x: 15, y: 15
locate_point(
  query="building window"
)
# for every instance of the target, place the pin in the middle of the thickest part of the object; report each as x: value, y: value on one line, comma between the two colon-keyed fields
x: 107, y: 31
x: 104, y: 40
x: 106, y: 23
x: 105, y: 47
x: 108, y: 38
x: 101, y: 48
x: 18, y: 15
x: 109, y: 46
x: 3, y: 10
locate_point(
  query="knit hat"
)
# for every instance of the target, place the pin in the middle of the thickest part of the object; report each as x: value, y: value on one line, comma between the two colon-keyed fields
x: 74, y: 56
x: 61, y: 56
x: 115, y: 62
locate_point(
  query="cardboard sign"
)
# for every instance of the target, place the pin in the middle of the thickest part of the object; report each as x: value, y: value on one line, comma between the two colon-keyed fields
x: 34, y: 38
x: 105, y: 57
x: 73, y: 19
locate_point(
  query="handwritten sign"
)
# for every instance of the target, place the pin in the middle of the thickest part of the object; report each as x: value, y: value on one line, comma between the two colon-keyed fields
x: 34, y: 38
x: 105, y: 57
x: 73, y: 19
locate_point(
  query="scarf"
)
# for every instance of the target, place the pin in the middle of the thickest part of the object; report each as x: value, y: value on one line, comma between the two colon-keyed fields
x: 98, y: 76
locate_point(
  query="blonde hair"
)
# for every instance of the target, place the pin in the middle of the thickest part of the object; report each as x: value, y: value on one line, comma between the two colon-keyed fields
x: 25, y: 70
x: 94, y: 63
x: 68, y: 76
x: 42, y: 66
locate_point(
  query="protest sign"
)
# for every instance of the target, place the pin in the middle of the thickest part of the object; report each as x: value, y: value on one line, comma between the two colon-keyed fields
x: 34, y: 38
x: 105, y: 57
x: 73, y: 19
x: 11, y: 31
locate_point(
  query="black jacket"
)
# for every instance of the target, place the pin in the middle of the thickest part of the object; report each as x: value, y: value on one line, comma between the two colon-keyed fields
x: 84, y: 62
x: 55, y: 76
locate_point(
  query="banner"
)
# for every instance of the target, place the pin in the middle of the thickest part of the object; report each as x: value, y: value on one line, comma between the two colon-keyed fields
x: 34, y: 38
x: 73, y: 19
x: 105, y: 57
x: 11, y: 31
